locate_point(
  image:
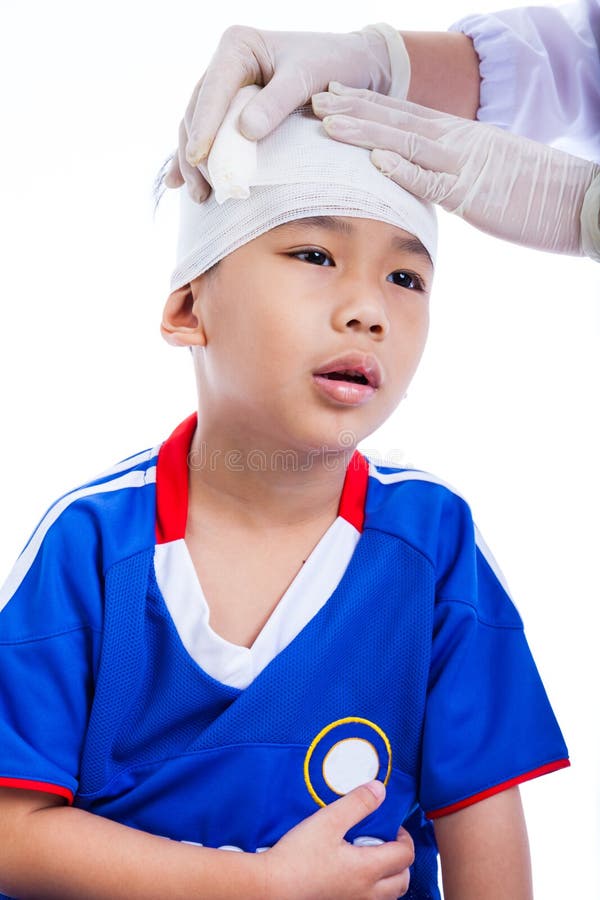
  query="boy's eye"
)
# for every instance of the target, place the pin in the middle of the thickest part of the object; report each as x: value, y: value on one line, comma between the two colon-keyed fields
x: 310, y: 253
x: 407, y: 280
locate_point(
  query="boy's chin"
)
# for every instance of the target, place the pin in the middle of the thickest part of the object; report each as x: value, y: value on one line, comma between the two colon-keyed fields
x: 334, y: 442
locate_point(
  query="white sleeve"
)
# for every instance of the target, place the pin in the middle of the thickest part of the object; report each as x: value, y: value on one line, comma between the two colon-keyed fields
x: 540, y: 70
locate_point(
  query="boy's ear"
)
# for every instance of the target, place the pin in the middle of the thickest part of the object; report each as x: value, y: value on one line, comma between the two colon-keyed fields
x: 180, y: 326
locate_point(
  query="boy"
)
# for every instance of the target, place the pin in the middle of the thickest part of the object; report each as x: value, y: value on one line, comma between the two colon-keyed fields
x: 232, y: 640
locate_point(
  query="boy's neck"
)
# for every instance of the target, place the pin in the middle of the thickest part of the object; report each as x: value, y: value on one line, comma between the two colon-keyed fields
x: 241, y: 487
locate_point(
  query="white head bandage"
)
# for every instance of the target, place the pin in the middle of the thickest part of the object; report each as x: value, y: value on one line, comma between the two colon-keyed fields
x: 296, y: 171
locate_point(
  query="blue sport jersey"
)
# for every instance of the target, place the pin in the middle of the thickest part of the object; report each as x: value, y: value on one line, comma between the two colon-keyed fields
x: 405, y: 660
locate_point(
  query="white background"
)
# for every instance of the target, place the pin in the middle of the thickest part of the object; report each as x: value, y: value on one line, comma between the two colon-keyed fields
x: 504, y: 406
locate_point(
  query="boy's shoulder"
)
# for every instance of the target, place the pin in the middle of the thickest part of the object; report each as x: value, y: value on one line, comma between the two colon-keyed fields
x: 397, y: 491
x: 435, y: 520
x: 111, y: 509
x: 56, y: 582
x: 418, y: 507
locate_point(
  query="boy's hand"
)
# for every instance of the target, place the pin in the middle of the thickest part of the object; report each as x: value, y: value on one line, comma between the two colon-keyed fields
x: 314, y: 862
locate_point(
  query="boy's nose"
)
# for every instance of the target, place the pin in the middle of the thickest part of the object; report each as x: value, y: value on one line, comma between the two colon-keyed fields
x: 366, y: 323
x: 366, y: 315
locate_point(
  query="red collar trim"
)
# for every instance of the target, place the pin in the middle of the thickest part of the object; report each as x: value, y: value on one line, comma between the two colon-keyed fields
x: 354, y: 491
x: 172, y: 485
x: 172, y: 482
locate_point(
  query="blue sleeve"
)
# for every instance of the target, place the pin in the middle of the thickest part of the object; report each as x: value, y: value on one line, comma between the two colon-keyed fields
x: 50, y: 623
x: 488, y: 722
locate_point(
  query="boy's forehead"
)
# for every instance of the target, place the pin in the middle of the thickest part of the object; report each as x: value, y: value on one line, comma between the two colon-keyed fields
x: 396, y: 238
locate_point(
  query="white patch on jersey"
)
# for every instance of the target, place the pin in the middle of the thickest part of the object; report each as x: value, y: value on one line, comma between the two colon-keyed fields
x: 349, y: 763
x: 417, y: 475
x: 233, y: 664
x: 138, y: 478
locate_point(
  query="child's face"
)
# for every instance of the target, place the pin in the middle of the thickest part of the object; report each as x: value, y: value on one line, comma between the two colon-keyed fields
x: 282, y: 307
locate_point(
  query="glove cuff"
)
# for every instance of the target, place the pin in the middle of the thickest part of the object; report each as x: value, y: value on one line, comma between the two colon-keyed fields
x: 399, y: 59
x: 590, y: 220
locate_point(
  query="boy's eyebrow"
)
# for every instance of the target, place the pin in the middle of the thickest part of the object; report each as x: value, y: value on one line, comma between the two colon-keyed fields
x: 331, y: 223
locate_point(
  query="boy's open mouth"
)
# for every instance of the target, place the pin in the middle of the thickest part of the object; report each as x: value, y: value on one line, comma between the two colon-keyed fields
x: 351, y: 379
x: 354, y: 368
x: 354, y: 377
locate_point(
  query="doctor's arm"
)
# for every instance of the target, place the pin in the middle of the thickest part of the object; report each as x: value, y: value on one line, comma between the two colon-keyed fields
x: 484, y: 850
x: 540, y: 71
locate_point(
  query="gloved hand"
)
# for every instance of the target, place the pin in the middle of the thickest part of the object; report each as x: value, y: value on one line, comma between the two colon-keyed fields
x: 508, y: 186
x: 292, y: 66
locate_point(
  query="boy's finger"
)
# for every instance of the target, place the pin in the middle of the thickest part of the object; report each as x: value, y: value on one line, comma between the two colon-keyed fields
x: 404, y: 837
x: 397, y: 886
x: 392, y: 861
x: 359, y: 803
x: 393, y: 857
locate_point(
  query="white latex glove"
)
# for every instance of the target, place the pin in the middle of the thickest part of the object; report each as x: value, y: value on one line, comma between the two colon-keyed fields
x: 508, y: 186
x: 292, y: 66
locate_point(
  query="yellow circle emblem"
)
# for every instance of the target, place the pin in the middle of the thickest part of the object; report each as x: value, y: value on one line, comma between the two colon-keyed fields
x: 344, y: 754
